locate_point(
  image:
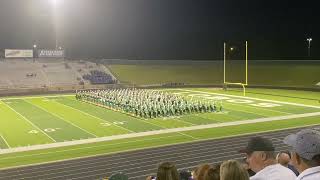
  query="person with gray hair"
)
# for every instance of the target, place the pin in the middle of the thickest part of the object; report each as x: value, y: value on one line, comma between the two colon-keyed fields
x: 305, y: 153
x: 261, y: 159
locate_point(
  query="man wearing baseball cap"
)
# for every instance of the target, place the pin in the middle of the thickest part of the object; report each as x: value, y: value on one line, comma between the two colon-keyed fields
x: 262, y: 160
x: 305, y: 153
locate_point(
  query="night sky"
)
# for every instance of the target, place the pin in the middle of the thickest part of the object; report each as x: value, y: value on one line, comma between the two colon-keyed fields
x: 163, y: 29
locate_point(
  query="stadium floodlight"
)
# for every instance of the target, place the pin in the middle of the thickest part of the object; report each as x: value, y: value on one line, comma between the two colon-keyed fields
x: 309, y: 45
x: 34, y: 46
x: 54, y: 2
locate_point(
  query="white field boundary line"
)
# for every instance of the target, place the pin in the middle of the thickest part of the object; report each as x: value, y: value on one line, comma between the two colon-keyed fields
x: 35, y: 97
x: 5, y: 141
x: 157, y: 132
x: 54, y: 114
x: 30, y: 122
x: 258, y: 99
x: 95, y: 117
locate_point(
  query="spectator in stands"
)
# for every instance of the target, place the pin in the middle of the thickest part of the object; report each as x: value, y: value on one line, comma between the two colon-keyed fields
x: 305, y: 153
x: 207, y: 172
x: 261, y: 159
x: 166, y: 171
x: 284, y: 158
x: 233, y: 170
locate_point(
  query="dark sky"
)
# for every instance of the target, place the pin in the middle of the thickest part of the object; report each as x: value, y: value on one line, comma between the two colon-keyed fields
x: 163, y: 29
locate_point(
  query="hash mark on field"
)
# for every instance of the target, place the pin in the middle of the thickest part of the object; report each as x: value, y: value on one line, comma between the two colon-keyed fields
x: 54, y: 114
x: 177, y: 118
x: 188, y: 135
x: 30, y: 122
x: 93, y: 116
x: 5, y: 141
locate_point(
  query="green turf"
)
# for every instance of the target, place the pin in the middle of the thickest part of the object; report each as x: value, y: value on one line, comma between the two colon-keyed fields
x: 72, y: 120
x: 40, y: 156
x: 16, y: 130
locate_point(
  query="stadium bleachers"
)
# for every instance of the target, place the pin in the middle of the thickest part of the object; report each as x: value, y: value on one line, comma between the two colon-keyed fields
x: 99, y: 77
x: 19, y: 73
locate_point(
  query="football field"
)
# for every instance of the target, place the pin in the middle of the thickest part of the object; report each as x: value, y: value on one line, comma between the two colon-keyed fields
x: 58, y: 119
x: 30, y: 121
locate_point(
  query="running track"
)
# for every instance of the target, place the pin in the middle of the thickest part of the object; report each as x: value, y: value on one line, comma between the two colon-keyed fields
x: 141, y: 163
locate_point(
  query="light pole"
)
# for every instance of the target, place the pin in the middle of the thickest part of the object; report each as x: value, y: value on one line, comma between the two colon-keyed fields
x: 55, y: 3
x: 309, y: 45
x: 34, y: 52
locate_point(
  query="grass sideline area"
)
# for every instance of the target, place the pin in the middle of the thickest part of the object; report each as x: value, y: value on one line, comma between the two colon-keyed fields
x: 57, y: 154
x: 270, y: 73
x: 53, y: 110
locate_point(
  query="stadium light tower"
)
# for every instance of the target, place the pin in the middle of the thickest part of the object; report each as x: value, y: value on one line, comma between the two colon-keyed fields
x: 55, y: 4
x: 309, y: 45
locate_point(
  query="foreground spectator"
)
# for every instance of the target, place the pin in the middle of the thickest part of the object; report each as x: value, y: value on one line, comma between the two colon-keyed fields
x: 306, y: 153
x: 207, y: 172
x: 245, y: 165
x: 166, y: 171
x: 233, y: 170
x: 284, y: 158
x: 261, y: 159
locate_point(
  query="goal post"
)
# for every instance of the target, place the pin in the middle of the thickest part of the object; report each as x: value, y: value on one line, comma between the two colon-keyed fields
x: 225, y: 81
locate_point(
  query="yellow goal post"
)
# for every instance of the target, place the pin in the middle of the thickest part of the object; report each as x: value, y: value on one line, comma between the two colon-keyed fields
x: 242, y: 84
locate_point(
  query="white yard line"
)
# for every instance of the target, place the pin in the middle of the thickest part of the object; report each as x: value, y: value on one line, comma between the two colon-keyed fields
x: 56, y: 115
x: 95, y: 117
x: 30, y: 122
x: 5, y: 141
x: 163, y: 131
x: 187, y: 135
x: 281, y: 102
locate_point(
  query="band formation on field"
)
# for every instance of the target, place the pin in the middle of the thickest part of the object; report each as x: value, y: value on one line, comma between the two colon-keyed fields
x: 147, y: 103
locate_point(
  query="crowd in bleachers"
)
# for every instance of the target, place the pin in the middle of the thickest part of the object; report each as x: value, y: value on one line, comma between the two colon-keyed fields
x: 99, y: 77
x: 261, y: 162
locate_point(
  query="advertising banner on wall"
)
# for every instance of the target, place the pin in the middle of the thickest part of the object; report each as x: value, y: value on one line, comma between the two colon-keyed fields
x: 48, y: 53
x: 18, y: 53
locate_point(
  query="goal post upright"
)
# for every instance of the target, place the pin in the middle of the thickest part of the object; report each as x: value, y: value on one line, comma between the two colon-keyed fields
x: 246, y: 63
x: 224, y: 63
x: 246, y: 69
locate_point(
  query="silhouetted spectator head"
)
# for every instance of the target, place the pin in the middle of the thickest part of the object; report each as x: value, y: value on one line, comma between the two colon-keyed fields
x: 305, y: 149
x: 118, y: 176
x: 233, y: 170
x: 260, y: 153
x: 185, y: 175
x: 167, y: 171
x: 207, y: 172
